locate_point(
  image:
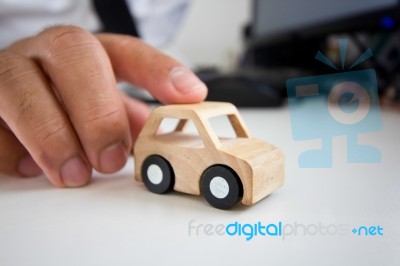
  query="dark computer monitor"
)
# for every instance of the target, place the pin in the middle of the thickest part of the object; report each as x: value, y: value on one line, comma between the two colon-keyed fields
x: 289, y: 32
x: 285, y: 35
x: 275, y: 19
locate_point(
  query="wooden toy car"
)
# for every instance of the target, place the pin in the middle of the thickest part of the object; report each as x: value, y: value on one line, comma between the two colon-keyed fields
x: 224, y: 170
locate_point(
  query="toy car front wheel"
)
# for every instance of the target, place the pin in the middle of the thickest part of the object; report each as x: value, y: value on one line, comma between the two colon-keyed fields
x: 157, y: 174
x: 221, y: 186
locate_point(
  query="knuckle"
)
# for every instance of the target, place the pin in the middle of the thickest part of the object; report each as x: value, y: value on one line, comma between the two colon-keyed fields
x: 98, y: 115
x: 104, y: 119
x: 16, y: 76
x: 66, y: 41
x: 50, y: 131
x: 52, y: 140
x: 12, y: 67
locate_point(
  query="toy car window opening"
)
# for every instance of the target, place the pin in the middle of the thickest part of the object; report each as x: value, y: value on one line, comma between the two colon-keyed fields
x: 232, y: 120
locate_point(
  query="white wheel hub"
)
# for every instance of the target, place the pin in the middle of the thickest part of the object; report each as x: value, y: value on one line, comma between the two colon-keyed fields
x: 219, y: 187
x: 155, y: 174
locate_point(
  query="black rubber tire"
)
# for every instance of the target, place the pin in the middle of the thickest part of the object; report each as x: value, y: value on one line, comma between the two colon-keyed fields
x: 168, y: 178
x: 235, y: 187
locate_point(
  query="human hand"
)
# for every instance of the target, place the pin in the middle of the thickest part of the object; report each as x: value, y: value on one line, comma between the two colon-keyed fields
x: 60, y: 110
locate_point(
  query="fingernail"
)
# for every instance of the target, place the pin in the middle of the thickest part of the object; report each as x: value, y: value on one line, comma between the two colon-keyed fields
x: 113, y: 158
x: 28, y: 167
x: 185, y: 81
x: 74, y: 173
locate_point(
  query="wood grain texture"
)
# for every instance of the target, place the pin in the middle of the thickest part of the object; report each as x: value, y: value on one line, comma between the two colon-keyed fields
x: 259, y: 165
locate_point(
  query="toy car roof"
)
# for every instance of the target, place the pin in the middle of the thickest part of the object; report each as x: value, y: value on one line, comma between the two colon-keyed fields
x: 204, y: 109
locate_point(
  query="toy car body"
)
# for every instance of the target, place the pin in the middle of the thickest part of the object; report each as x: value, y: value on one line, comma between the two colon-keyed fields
x: 224, y: 170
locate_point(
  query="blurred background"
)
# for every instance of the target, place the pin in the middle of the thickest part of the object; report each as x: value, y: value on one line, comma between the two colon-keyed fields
x: 246, y: 50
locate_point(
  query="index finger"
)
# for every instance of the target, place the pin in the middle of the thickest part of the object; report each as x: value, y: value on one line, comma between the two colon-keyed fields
x: 140, y: 64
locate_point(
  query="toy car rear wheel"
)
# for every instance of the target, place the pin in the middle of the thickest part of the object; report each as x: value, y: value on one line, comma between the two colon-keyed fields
x: 221, y: 187
x: 157, y: 174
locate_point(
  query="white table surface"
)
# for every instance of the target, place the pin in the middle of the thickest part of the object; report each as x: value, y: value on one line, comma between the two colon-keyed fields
x: 116, y: 221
